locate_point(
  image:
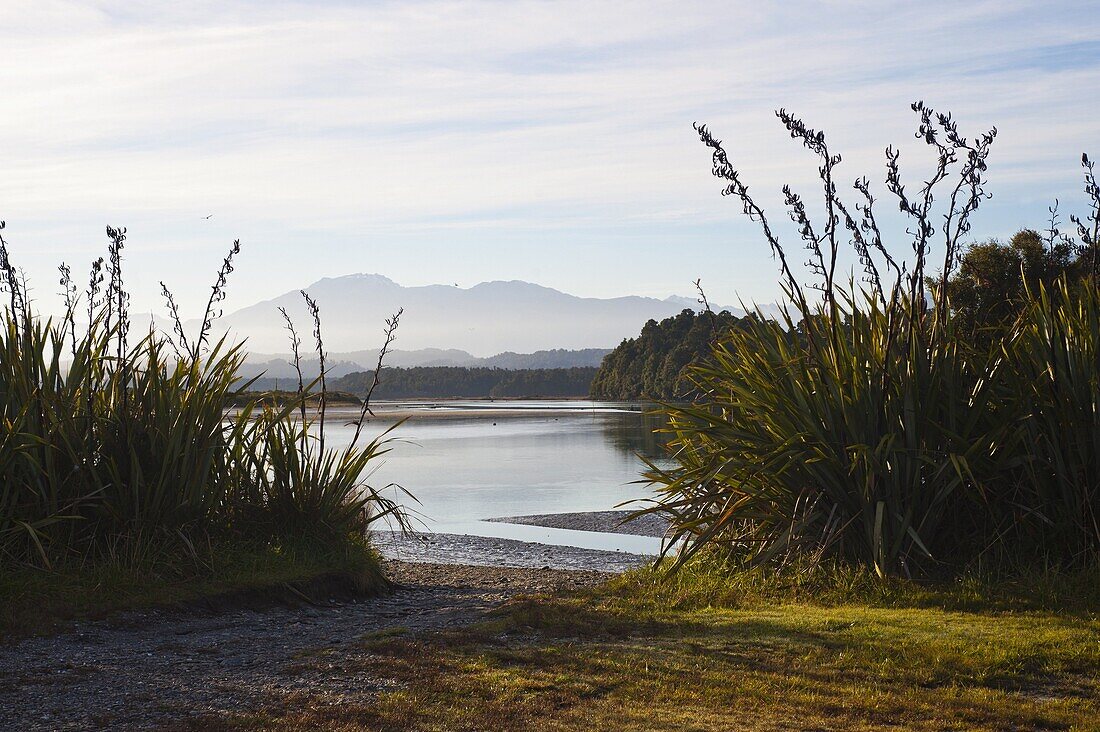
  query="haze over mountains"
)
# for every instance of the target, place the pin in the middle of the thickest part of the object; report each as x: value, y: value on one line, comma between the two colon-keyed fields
x: 278, y: 366
x: 479, y: 325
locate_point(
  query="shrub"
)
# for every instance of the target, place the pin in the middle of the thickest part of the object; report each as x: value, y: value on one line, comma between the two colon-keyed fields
x: 129, y: 449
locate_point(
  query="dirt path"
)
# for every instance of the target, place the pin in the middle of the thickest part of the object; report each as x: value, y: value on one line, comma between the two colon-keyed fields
x: 149, y: 669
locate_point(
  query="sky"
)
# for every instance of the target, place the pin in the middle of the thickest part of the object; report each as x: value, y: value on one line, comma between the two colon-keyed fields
x: 459, y: 142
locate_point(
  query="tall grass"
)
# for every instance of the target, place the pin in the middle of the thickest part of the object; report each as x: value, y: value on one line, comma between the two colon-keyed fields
x: 113, y: 449
x: 863, y: 426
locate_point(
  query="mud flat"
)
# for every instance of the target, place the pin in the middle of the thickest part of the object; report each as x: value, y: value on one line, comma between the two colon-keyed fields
x: 495, y: 552
x: 610, y: 522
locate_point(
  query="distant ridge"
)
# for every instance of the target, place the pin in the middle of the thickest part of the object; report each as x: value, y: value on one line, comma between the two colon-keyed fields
x: 448, y: 325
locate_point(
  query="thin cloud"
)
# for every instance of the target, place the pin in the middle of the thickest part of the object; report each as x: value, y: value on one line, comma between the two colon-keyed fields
x: 552, y: 121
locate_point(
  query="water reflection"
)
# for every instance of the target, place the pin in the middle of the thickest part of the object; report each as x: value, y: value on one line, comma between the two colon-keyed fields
x: 639, y: 436
x: 480, y: 461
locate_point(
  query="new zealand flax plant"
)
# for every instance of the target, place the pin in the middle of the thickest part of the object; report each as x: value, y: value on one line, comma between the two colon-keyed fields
x: 130, y: 449
x: 1051, y: 389
x: 861, y: 425
x: 292, y: 484
x: 858, y: 425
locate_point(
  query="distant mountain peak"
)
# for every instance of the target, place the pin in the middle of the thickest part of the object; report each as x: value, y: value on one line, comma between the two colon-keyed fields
x: 513, y: 285
x: 358, y: 278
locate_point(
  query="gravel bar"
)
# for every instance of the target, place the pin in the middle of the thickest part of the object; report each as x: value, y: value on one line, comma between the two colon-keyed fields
x: 608, y: 522
x: 489, y: 551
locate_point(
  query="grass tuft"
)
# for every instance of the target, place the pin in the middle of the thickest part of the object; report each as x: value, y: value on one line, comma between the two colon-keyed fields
x: 227, y: 577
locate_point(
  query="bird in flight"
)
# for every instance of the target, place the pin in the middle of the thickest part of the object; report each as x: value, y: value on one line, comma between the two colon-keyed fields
x: 207, y: 218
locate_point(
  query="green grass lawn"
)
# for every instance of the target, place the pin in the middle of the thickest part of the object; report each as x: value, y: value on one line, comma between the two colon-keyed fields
x: 39, y: 601
x: 624, y: 657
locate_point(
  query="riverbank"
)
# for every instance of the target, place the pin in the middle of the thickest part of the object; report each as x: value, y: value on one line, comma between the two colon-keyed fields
x: 33, y: 601
x: 460, y: 647
x: 502, y: 552
x: 485, y: 409
x: 247, y: 637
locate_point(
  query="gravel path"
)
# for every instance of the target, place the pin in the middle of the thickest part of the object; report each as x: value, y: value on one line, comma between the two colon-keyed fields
x: 612, y: 522
x: 148, y: 669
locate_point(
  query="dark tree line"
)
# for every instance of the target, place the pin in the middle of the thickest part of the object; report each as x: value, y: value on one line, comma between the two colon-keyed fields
x: 438, y: 382
x: 992, y: 283
x: 652, y: 365
x: 987, y: 291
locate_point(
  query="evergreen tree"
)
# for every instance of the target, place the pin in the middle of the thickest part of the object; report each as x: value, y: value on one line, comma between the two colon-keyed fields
x: 652, y: 365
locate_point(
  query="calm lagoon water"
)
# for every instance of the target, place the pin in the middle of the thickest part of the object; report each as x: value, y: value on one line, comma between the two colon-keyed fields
x: 469, y: 461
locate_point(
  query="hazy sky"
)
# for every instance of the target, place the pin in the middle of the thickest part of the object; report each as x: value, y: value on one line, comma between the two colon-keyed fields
x: 467, y: 141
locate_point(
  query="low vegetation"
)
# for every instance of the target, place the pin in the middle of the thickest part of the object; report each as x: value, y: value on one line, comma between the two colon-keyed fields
x: 441, y: 382
x: 118, y: 453
x: 699, y: 652
x: 280, y: 397
x: 225, y: 577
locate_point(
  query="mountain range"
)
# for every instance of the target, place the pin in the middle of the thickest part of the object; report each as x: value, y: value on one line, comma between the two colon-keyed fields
x: 449, y: 325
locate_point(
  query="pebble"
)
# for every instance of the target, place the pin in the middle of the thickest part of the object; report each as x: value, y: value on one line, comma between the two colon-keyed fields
x: 495, y: 552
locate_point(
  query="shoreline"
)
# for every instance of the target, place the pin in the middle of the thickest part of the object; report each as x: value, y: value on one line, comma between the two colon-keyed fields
x: 472, y: 409
x: 457, y: 408
x: 124, y: 670
x: 470, y: 549
x: 463, y: 550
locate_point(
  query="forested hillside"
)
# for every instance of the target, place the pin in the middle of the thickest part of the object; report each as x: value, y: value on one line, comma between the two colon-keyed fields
x: 651, y: 366
x: 437, y: 382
